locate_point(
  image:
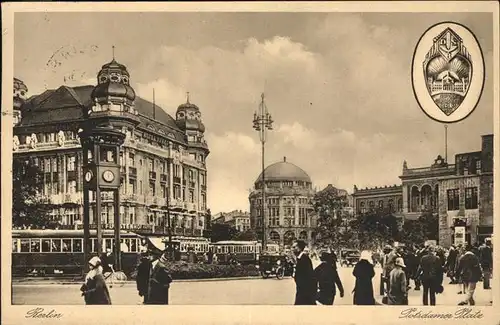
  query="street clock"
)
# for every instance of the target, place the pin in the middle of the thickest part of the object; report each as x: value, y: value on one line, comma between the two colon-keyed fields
x: 88, y: 176
x: 108, y: 176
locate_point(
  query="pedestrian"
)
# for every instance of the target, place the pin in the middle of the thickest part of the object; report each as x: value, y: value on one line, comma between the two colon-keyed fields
x: 305, y: 282
x: 387, y: 265
x: 451, y: 261
x: 460, y: 282
x: 470, y: 271
x: 210, y: 256
x: 398, y: 287
x: 486, y: 260
x: 108, y: 260
x: 159, y: 282
x: 431, y: 275
x: 328, y: 280
x: 142, y: 278
x: 94, y: 290
x: 363, y: 287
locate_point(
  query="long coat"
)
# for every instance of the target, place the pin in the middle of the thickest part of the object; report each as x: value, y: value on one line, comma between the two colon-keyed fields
x: 96, y: 292
x: 328, y: 279
x: 431, y: 270
x: 469, y: 268
x: 363, y: 289
x: 142, y: 278
x: 398, y: 294
x: 159, y: 285
x: 305, y: 282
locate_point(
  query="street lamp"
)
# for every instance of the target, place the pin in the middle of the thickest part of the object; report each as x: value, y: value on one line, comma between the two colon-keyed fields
x: 262, y: 122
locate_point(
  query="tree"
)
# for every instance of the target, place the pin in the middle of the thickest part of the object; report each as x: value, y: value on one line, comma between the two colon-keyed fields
x: 377, y: 227
x: 413, y: 232
x: 221, y: 231
x: 430, y: 225
x: 329, y: 206
x: 29, y: 209
x: 249, y: 235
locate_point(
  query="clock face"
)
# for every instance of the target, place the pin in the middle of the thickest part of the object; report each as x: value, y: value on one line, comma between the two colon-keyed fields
x: 88, y: 176
x: 108, y: 176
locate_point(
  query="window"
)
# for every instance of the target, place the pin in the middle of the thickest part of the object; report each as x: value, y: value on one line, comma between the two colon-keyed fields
x: 203, y: 201
x: 162, y: 167
x: 54, y: 165
x: 177, y: 191
x: 163, y: 191
x: 71, y: 187
x: 471, y: 198
x: 56, y: 245
x: 453, y: 199
x: 132, y: 215
x: 14, y: 245
x: 478, y: 165
x: 46, y: 165
x: 140, y: 187
x: 400, y: 205
x: 362, y: 207
x: 66, y: 245
x: 45, y: 245
x: 132, y: 186
x: 372, y: 205
x: 25, y: 245
x: 34, y: 245
x: 391, y: 205
x: 151, y: 164
x: 191, y: 196
x: 177, y: 170
x: 71, y: 164
x: 152, y: 189
x: 131, y: 159
x: 380, y: 204
x: 55, y: 187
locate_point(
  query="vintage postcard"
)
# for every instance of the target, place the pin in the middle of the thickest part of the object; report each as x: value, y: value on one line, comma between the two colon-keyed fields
x: 250, y: 163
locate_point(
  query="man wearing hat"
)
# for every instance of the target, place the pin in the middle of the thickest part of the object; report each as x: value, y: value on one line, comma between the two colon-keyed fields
x: 388, y: 261
x: 159, y: 282
x: 486, y: 260
x: 431, y: 275
x: 470, y: 272
x: 398, y: 286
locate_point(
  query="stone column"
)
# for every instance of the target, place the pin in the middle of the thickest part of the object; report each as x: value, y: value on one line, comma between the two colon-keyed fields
x: 405, y: 199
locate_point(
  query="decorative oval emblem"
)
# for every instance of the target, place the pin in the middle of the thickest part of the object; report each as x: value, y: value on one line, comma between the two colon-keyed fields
x: 448, y: 72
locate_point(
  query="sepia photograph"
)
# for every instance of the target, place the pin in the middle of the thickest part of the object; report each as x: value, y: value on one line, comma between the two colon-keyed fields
x: 259, y: 158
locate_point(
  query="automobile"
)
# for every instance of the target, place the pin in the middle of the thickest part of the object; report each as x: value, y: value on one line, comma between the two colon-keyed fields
x: 349, y: 257
x: 275, y: 264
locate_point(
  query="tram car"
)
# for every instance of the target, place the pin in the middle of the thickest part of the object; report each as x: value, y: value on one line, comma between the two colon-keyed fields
x: 183, y: 246
x: 60, y: 252
x: 239, y: 251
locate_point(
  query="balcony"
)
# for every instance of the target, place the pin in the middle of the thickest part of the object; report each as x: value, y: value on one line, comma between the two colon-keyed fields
x: 184, y: 182
x: 163, y: 178
x: 72, y: 198
x: 152, y: 175
x: 177, y: 180
x: 191, y: 207
x: 192, y: 184
x: 177, y: 204
x: 130, y: 198
x: 203, y: 187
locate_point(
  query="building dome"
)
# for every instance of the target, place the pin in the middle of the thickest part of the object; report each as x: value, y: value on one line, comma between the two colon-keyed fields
x: 113, y: 81
x: 188, y: 117
x: 284, y: 171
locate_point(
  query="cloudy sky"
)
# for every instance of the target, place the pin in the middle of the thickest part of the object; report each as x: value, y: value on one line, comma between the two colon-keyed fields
x: 337, y: 84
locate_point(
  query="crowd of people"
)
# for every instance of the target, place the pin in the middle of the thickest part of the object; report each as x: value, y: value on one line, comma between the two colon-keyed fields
x: 426, y: 266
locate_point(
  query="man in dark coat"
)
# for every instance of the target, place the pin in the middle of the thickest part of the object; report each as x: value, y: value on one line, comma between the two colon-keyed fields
x: 328, y: 279
x: 470, y: 272
x: 486, y: 260
x: 363, y: 287
x: 304, y: 276
x: 159, y: 282
x: 431, y: 274
x: 451, y: 261
x: 143, y: 273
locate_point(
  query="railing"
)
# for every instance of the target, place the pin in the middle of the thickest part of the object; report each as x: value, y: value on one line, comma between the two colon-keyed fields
x: 428, y: 169
x: 132, y: 171
x: 177, y: 180
x: 163, y: 178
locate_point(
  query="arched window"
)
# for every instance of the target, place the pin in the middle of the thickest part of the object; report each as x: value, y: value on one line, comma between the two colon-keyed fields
x: 400, y: 205
x: 390, y: 203
x: 275, y: 237
x: 303, y: 235
x: 362, y: 207
x: 288, y: 238
x: 371, y: 204
x: 381, y: 204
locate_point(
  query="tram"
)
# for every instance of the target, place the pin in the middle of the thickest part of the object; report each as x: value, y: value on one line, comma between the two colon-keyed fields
x: 51, y: 252
x: 243, y: 252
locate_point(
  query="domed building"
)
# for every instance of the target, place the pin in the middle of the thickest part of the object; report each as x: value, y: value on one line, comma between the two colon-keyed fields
x: 289, y: 214
x: 163, y: 159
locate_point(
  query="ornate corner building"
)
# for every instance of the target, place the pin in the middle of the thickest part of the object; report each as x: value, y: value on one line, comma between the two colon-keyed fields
x: 288, y: 192
x: 162, y: 161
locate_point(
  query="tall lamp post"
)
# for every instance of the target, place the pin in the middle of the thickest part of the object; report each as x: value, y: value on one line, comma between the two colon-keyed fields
x: 262, y: 122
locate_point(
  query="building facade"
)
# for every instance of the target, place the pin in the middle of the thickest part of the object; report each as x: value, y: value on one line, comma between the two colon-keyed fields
x: 460, y: 193
x: 385, y: 198
x: 238, y: 219
x: 288, y: 192
x: 163, y: 161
